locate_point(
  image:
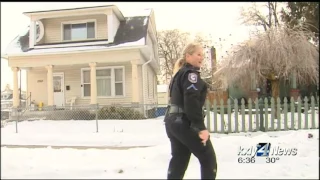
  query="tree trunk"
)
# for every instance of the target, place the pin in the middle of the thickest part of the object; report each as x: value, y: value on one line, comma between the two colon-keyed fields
x: 275, y: 90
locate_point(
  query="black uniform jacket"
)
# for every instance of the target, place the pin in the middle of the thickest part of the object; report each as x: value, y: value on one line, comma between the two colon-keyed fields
x: 188, y: 91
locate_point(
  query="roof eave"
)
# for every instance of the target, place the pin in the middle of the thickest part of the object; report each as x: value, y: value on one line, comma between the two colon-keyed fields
x: 118, y: 13
x: 72, y: 52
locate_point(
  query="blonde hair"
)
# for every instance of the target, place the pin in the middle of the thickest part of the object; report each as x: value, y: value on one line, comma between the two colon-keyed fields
x: 189, y: 49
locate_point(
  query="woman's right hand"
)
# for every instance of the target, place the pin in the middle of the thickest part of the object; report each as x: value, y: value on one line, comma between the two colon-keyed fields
x: 204, y: 135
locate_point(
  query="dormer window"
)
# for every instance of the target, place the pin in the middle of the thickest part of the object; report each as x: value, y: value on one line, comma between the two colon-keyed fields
x: 75, y: 31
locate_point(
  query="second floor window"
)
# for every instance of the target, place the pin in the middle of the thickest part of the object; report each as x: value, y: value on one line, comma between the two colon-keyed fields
x: 80, y: 31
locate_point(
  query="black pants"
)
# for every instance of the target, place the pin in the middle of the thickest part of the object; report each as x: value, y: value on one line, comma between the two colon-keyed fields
x: 185, y: 141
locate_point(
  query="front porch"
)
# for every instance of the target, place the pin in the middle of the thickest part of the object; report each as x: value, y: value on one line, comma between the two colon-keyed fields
x: 82, y: 84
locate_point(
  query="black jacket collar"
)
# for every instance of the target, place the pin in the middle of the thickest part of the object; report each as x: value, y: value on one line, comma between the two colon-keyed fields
x: 192, y: 67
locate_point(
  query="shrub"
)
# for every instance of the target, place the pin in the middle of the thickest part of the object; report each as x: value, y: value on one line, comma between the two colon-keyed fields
x: 78, y: 114
x: 112, y: 112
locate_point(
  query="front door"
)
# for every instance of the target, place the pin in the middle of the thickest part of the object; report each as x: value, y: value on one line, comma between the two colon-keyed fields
x: 58, y: 89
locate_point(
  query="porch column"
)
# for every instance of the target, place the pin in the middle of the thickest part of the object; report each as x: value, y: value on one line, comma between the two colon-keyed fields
x: 93, y: 82
x: 16, y: 97
x: 32, y: 36
x: 50, y: 85
x: 135, y: 82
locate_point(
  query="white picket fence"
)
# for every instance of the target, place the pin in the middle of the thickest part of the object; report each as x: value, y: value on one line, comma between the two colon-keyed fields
x: 262, y: 115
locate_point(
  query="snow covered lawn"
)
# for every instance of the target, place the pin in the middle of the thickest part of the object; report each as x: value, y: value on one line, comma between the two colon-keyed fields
x: 136, y: 163
x: 83, y: 133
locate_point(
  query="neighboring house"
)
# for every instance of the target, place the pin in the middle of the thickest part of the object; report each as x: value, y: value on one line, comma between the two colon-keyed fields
x: 6, y: 99
x: 6, y: 94
x: 162, y: 94
x: 93, y: 54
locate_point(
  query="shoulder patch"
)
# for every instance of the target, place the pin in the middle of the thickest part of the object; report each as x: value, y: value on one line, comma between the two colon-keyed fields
x: 193, y: 77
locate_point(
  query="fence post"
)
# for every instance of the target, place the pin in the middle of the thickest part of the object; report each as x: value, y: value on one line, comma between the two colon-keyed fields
x: 313, y: 113
x: 278, y: 115
x: 273, y: 112
x: 15, y: 112
x: 215, y: 116
x: 236, y: 111
x: 285, y: 113
x: 250, y: 114
x: 208, y: 110
x: 261, y: 127
x: 256, y: 106
x: 266, y: 113
x: 97, y: 124
x: 243, y: 122
x: 229, y: 116
x: 292, y: 110
x: 223, y: 125
x: 306, y: 109
x: 299, y: 112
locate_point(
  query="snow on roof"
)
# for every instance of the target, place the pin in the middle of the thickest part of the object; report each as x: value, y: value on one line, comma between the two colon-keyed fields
x: 14, y: 47
x: 162, y: 88
x: 86, y: 48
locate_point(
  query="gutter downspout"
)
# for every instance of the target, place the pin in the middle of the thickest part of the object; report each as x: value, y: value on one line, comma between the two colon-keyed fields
x: 143, y: 87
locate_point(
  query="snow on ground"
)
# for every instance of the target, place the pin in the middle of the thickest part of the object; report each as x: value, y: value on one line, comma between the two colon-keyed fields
x: 141, y: 163
x: 82, y: 132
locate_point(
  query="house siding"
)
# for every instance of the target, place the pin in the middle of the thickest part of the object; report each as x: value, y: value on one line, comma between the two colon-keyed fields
x: 72, y: 78
x: 162, y: 98
x: 149, y: 43
x: 37, y: 85
x: 53, y: 31
x: 149, y: 86
x: 140, y: 74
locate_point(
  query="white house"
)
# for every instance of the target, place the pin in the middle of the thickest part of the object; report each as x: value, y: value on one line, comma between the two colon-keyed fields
x: 93, y: 54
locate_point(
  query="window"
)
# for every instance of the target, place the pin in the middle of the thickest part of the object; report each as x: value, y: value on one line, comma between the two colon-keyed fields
x: 110, y: 82
x: 78, y: 31
x: 118, y: 82
x: 86, y: 83
x: 103, y: 82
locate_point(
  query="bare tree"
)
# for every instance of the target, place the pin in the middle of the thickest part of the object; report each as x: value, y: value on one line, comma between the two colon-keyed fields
x: 253, y: 16
x: 302, y: 13
x: 267, y: 16
x: 275, y: 54
x: 171, y: 44
x: 206, y: 69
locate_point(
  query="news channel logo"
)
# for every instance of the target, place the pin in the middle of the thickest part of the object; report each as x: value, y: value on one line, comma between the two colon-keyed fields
x: 264, y: 153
